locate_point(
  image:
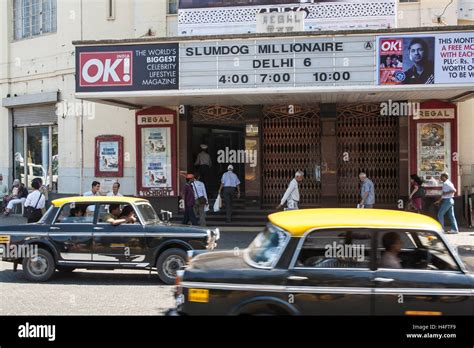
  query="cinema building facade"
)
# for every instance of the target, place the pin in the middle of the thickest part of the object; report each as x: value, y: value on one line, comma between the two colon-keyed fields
x: 332, y: 104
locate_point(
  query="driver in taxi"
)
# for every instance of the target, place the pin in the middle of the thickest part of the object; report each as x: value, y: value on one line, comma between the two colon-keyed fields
x: 393, y: 245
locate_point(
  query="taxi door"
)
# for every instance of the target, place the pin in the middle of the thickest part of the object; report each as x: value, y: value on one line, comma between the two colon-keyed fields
x: 430, y: 280
x: 118, y: 245
x: 330, y: 273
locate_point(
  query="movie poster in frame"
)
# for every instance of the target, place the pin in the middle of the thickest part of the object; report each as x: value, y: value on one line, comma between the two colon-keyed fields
x: 156, y: 152
x: 109, y: 156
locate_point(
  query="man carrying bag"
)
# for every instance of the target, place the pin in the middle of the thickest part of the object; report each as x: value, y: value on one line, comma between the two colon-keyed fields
x: 34, y: 203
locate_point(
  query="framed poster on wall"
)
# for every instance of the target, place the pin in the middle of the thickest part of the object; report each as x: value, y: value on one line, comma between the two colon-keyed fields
x: 156, y: 152
x: 109, y: 156
x: 434, y: 145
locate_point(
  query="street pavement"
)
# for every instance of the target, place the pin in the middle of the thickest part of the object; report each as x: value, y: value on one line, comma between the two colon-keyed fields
x: 122, y: 292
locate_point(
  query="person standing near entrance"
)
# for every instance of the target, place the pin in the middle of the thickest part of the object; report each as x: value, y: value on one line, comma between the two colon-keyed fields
x: 203, y: 163
x: 229, y: 184
x: 200, y: 197
x: 292, y: 193
x: 447, y: 204
x: 188, y: 196
x: 367, y: 192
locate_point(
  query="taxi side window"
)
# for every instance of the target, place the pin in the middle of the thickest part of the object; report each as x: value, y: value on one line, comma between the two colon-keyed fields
x: 114, y: 211
x: 413, y: 250
x: 336, y: 249
x: 73, y: 213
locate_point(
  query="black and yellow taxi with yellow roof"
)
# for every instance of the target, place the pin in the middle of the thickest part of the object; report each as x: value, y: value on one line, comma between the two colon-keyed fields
x: 332, y: 262
x: 81, y: 232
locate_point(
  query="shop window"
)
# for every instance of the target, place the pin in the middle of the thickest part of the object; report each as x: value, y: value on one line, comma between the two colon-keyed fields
x: 33, y: 18
x: 173, y: 6
x: 36, y: 155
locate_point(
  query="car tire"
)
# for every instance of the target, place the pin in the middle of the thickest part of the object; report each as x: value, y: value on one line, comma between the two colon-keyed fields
x: 169, y: 262
x: 65, y: 269
x: 39, y: 268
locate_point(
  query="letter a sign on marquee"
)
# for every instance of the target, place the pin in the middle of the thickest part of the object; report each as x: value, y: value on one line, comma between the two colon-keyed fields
x: 106, y: 68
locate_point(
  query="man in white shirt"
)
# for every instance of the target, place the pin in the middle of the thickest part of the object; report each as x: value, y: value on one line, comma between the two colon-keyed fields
x: 292, y: 194
x: 201, y: 201
x: 447, y: 204
x: 95, y: 191
x: 203, y: 163
x: 229, y: 184
x: 115, y: 190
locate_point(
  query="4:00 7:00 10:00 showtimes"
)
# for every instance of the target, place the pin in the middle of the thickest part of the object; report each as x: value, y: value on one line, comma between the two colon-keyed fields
x: 285, y: 77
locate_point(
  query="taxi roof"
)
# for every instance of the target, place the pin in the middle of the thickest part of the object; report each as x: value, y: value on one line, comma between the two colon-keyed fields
x: 297, y: 222
x: 94, y: 199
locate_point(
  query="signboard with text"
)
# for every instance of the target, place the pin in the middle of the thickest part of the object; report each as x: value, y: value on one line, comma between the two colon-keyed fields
x: 126, y: 68
x: 278, y: 62
x: 426, y: 59
x: 208, y: 17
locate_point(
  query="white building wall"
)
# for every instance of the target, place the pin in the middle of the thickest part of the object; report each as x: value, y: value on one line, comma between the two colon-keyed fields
x: 466, y: 143
x: 46, y: 63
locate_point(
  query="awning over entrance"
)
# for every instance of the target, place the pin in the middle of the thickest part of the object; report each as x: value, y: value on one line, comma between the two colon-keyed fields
x: 271, y: 96
x: 413, y: 64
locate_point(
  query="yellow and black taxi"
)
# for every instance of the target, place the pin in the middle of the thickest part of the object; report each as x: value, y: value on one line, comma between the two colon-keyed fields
x: 331, y: 262
x: 81, y: 232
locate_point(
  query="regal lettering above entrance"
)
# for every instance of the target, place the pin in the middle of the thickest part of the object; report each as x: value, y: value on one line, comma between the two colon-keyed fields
x: 292, y: 62
x: 155, y: 119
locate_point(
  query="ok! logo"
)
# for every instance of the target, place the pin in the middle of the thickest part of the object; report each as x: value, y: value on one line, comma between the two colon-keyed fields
x: 106, y: 68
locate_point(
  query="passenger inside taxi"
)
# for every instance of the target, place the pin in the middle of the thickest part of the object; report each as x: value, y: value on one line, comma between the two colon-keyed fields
x: 117, y: 217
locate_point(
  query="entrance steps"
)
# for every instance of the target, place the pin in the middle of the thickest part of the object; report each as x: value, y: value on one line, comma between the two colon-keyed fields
x: 243, y: 214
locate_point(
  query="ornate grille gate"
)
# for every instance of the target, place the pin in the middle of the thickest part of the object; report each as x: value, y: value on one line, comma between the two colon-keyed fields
x: 367, y: 142
x: 290, y: 142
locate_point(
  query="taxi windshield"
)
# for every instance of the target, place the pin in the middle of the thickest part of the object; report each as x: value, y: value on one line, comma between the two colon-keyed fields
x: 266, y: 248
x: 148, y: 213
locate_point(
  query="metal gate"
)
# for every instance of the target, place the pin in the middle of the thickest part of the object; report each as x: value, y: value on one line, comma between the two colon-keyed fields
x: 368, y: 142
x: 291, y: 141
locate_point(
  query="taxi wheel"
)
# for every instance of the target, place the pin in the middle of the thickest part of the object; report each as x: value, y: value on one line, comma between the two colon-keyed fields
x: 40, y: 267
x: 169, y: 262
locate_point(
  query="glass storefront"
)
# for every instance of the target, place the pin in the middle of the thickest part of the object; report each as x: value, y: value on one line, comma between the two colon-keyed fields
x: 38, y: 148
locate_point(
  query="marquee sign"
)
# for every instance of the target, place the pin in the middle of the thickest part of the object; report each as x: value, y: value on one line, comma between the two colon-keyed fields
x: 294, y: 62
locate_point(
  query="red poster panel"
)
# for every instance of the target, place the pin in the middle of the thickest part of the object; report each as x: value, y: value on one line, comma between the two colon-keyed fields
x: 433, y: 139
x: 156, y: 152
x: 109, y: 156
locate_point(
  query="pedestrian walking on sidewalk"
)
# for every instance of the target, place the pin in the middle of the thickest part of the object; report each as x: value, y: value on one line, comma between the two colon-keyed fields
x: 367, y: 192
x: 292, y: 193
x: 230, y: 184
x: 417, y: 192
x: 200, y: 197
x: 447, y: 204
x: 188, y: 196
